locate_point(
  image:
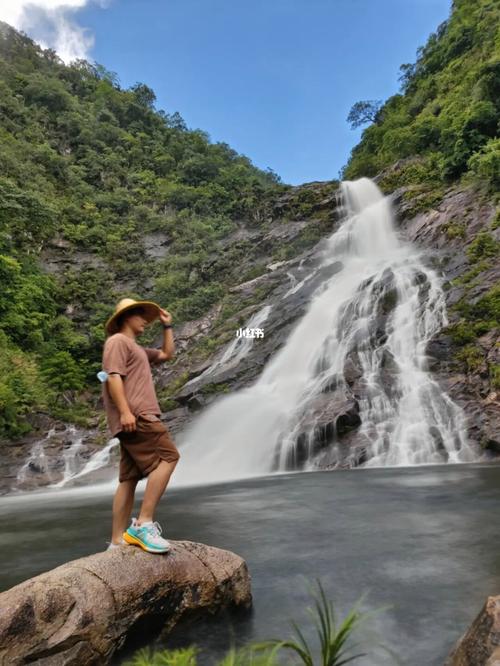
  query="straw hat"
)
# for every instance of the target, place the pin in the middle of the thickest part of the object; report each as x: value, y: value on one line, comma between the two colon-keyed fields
x: 151, y: 312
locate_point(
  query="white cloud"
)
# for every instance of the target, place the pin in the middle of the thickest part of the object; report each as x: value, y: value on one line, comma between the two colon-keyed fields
x: 52, y: 24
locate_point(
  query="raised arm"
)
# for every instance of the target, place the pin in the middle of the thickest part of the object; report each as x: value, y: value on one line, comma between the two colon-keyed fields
x: 168, y: 347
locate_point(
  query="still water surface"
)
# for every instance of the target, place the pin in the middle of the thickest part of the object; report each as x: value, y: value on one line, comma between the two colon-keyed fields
x: 421, y: 539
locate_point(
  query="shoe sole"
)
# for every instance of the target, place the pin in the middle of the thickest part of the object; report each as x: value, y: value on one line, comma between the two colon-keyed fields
x: 137, y: 542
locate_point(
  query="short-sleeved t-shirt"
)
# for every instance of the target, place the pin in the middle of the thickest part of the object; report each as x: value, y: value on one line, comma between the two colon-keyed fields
x: 123, y: 355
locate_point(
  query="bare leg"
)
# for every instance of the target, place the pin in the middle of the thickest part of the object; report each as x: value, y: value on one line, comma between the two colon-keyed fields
x: 122, y: 508
x: 155, y: 487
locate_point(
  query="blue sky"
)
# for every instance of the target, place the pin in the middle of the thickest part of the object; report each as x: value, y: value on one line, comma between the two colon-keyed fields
x: 275, y: 79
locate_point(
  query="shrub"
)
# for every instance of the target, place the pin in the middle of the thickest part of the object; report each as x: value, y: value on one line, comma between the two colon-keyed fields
x: 486, y: 163
x: 494, y: 372
x: 414, y: 171
x: 22, y: 390
x: 483, y: 245
x: 487, y: 307
x: 422, y: 199
x: 496, y: 221
x: 471, y: 356
x: 455, y: 229
x: 63, y: 373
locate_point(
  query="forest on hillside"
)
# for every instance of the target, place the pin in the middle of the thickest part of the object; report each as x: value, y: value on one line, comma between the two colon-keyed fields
x: 87, y: 164
x: 448, y: 110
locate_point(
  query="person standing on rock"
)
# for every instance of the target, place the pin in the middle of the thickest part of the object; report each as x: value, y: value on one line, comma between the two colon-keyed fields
x: 133, y: 416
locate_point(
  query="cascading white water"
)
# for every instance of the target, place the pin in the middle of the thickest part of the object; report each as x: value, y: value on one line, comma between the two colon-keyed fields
x: 237, y: 349
x: 240, y: 347
x: 43, y: 464
x: 71, y: 454
x: 99, y: 460
x: 296, y: 286
x: 408, y: 420
x: 37, y: 460
x: 76, y: 469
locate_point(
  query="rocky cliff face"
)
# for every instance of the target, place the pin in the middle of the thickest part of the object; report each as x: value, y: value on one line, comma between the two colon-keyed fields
x: 448, y: 231
x: 445, y: 231
x: 335, y: 413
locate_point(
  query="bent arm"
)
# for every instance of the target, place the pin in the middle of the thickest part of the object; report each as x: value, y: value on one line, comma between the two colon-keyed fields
x: 168, y: 347
x: 167, y: 350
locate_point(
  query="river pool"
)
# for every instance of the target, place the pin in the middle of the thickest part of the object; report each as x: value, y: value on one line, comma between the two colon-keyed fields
x: 423, y: 540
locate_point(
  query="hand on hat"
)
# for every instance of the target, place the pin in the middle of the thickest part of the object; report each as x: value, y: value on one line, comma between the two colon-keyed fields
x: 165, y: 316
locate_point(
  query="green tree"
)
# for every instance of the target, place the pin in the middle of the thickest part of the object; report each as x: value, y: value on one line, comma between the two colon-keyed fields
x: 364, y: 112
x: 63, y: 373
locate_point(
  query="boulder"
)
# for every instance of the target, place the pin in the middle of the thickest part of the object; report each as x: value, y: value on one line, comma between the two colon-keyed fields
x: 83, y: 611
x: 480, y: 645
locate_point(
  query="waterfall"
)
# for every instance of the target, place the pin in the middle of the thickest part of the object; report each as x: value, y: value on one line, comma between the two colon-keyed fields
x: 296, y: 286
x: 43, y: 462
x: 379, y: 309
x: 37, y: 461
x: 99, y: 460
x: 237, y: 349
x: 70, y: 454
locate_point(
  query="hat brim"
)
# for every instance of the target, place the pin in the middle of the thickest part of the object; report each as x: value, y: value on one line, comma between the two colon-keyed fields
x: 151, y: 312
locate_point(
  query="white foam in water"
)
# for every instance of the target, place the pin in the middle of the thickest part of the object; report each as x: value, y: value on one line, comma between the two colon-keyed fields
x: 414, y: 422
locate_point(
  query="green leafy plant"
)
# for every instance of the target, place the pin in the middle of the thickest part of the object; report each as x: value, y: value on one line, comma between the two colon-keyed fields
x: 447, y: 108
x: 494, y: 372
x: 496, y: 220
x: 332, y: 636
x: 483, y: 245
x: 147, y: 657
x: 472, y: 357
x: 334, y: 641
x: 251, y: 656
x: 455, y: 229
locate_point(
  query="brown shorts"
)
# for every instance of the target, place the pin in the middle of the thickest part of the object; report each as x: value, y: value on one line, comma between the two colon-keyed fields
x: 143, y: 449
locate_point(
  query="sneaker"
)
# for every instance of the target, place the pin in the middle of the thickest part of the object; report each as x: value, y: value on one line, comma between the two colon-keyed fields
x: 112, y: 545
x: 147, y: 536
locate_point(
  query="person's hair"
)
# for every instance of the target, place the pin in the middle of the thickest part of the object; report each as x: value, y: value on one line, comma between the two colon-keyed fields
x: 128, y: 313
